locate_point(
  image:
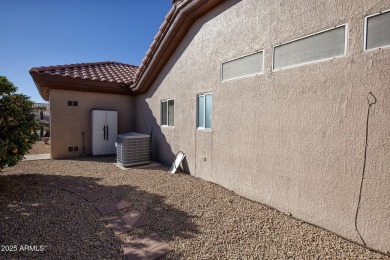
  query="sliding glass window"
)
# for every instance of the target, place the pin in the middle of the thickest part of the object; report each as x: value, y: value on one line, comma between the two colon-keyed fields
x: 204, y: 110
x: 168, y: 112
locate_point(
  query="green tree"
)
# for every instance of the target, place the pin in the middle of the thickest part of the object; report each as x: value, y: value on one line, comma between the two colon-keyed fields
x: 17, y: 124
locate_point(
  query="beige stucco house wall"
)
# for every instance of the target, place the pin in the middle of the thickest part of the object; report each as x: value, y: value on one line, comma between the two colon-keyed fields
x: 294, y: 138
x: 69, y: 122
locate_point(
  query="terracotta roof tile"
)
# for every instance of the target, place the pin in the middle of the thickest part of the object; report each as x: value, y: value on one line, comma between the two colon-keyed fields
x: 107, y: 71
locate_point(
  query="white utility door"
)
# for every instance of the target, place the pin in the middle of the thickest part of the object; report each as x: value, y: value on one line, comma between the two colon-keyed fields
x: 111, y: 131
x: 98, y: 132
x: 104, y: 130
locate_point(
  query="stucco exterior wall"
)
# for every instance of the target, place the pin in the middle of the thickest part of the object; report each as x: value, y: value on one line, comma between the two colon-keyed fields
x: 67, y: 123
x: 293, y: 139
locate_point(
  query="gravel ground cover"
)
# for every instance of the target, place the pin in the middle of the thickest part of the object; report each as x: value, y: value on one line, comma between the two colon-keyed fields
x: 40, y: 148
x: 198, y: 219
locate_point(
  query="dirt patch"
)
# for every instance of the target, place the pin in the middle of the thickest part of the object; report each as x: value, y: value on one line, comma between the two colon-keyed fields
x: 40, y: 148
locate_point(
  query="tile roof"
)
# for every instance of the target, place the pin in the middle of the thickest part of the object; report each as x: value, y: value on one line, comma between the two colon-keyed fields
x: 124, y: 78
x: 107, y: 71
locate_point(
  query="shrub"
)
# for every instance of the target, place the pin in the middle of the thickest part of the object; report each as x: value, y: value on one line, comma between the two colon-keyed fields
x: 17, y: 124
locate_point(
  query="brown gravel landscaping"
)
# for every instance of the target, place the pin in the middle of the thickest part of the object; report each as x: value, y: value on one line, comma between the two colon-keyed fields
x: 199, y: 220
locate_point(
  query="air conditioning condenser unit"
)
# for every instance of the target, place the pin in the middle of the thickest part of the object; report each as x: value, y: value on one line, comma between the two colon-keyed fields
x: 132, y: 149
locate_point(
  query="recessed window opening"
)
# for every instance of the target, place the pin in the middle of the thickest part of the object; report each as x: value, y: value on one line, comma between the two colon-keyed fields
x: 204, y: 110
x: 242, y: 67
x: 377, y: 31
x: 320, y: 46
x: 168, y: 112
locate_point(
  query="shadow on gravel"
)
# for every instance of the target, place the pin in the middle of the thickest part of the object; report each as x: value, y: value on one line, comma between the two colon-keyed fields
x: 36, y: 212
x: 90, y: 158
x: 113, y: 160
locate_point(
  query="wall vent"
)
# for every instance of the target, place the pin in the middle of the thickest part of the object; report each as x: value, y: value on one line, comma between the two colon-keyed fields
x: 73, y: 103
x: 73, y: 149
x: 133, y: 149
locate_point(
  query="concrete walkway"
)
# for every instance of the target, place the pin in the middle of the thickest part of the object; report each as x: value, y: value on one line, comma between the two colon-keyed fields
x: 33, y: 157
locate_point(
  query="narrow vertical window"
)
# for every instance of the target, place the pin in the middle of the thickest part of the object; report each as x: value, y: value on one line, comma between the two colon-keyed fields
x: 209, y: 100
x: 204, y: 110
x: 164, y: 113
x: 168, y: 112
x: 171, y: 118
x: 201, y: 111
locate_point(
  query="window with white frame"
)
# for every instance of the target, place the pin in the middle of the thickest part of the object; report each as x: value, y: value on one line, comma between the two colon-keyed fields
x: 377, y: 31
x: 319, y: 46
x: 248, y: 65
x: 204, y: 110
x: 168, y: 112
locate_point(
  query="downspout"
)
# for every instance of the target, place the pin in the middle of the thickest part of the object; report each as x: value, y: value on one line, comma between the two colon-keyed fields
x: 370, y: 103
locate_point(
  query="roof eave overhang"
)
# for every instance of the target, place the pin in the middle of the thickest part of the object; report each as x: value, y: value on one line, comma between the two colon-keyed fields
x: 45, y: 82
x: 184, y: 15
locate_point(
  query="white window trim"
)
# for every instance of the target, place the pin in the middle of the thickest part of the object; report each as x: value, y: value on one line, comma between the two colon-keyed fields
x: 365, y: 32
x: 204, y: 115
x: 247, y: 76
x: 309, y: 35
x: 174, y: 109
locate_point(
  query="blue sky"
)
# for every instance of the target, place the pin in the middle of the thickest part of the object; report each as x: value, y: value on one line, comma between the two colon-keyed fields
x: 42, y: 33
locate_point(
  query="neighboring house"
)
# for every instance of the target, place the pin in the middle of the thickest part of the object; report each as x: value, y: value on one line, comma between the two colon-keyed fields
x: 45, y: 113
x: 267, y: 99
x: 42, y: 115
